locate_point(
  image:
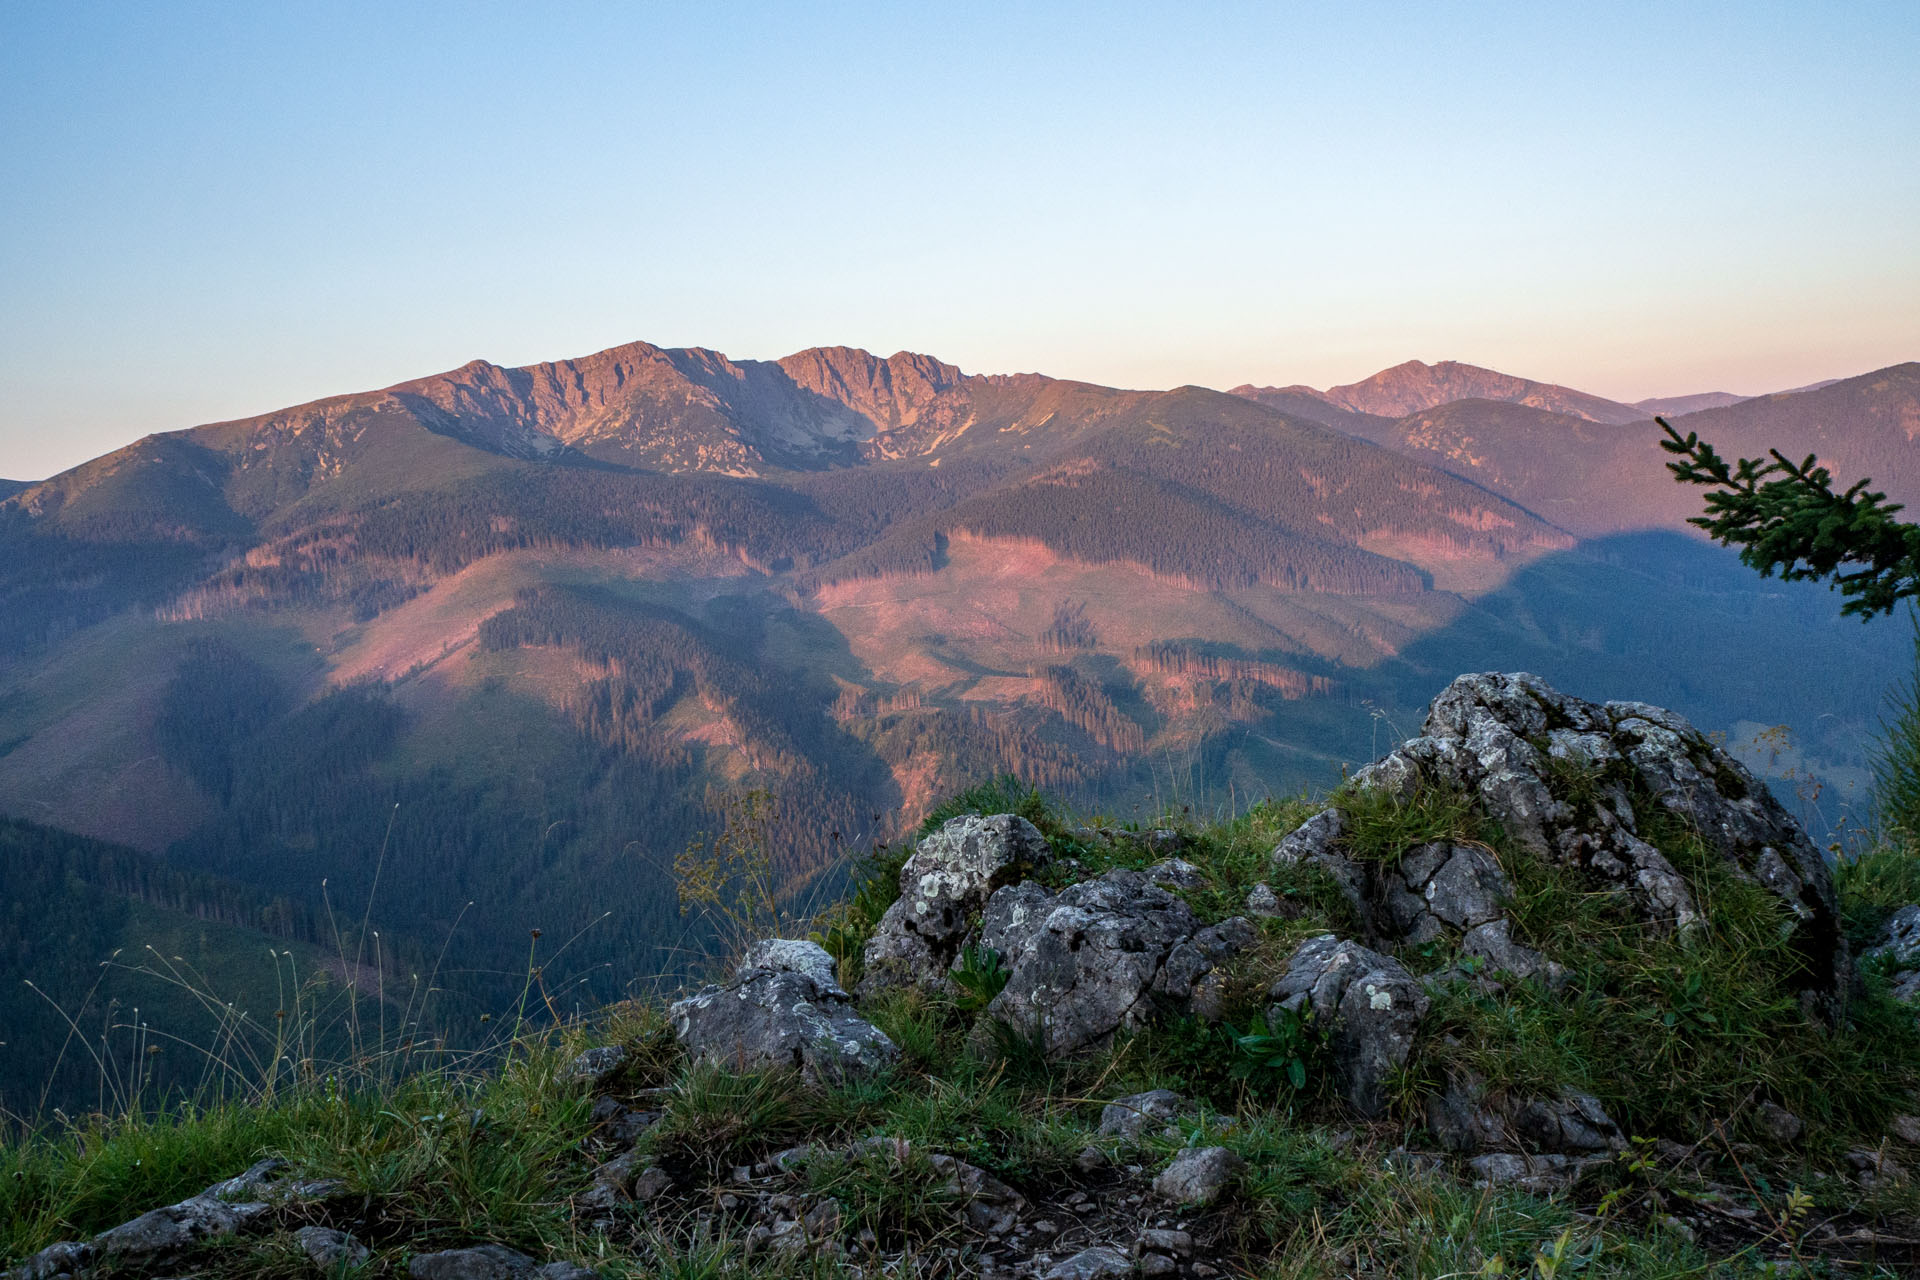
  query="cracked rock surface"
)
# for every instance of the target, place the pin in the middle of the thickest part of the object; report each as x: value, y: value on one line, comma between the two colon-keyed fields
x: 1572, y: 782
x: 1368, y: 1002
x: 783, y: 1009
x: 943, y: 887
x: 1100, y: 956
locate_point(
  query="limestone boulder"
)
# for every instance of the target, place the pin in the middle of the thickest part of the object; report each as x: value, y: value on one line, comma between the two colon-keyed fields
x: 1101, y: 956
x: 944, y: 887
x: 1574, y: 783
x: 783, y: 1009
x: 1367, y: 1002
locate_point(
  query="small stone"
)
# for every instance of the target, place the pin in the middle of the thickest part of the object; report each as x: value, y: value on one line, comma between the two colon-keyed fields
x: 1262, y: 901
x: 1776, y: 1123
x: 1090, y: 1160
x: 1162, y: 1240
x: 599, y: 1201
x: 1905, y: 1128
x: 482, y: 1262
x: 1135, y: 1114
x: 1176, y: 873
x: 1873, y: 1166
x: 331, y: 1250
x: 1537, y: 1174
x: 1157, y: 1264
x: 651, y: 1184
x: 1098, y: 1263
x: 565, y: 1271
x: 619, y: 1124
x: 989, y: 1205
x: 1199, y: 1175
x: 617, y: 1172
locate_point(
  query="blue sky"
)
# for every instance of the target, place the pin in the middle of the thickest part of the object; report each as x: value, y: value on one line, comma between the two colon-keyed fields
x: 215, y: 210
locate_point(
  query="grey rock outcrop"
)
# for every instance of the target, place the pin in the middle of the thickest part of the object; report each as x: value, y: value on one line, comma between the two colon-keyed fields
x: 1562, y: 777
x: 160, y: 1235
x: 943, y: 888
x: 1100, y: 956
x: 779, y: 1011
x: 1465, y: 1117
x: 1368, y: 1002
x: 1899, y: 950
x: 1439, y: 889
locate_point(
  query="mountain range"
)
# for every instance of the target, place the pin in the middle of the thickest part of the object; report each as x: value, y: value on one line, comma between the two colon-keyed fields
x: 484, y: 651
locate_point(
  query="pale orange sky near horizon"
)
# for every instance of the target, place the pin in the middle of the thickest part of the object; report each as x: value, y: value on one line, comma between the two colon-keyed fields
x: 216, y: 212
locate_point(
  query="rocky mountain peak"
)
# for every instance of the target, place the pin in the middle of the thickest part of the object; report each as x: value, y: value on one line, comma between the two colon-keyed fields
x: 889, y: 393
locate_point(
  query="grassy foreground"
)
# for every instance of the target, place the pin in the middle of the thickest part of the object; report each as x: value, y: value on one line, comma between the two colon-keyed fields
x: 1680, y: 1040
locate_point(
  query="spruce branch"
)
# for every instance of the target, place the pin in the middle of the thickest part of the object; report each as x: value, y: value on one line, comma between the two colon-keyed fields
x: 1786, y: 518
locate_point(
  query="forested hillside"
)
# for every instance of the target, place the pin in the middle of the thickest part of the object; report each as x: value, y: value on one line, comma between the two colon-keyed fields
x: 481, y: 654
x: 105, y: 948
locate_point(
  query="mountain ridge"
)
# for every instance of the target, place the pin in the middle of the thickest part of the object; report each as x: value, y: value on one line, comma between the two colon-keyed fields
x: 1414, y: 385
x: 558, y: 615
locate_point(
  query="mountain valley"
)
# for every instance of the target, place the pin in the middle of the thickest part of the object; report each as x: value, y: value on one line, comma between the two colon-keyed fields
x: 482, y: 652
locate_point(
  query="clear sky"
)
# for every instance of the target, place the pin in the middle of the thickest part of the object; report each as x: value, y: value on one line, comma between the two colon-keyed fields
x: 213, y: 210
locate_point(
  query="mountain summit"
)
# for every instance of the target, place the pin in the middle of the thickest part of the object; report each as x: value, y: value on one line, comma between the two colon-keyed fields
x: 1414, y: 386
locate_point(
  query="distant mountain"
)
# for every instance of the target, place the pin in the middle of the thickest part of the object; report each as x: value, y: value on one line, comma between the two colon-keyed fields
x: 1593, y: 478
x: 1864, y: 426
x: 1811, y: 386
x: 10, y: 487
x: 532, y: 630
x: 1670, y: 405
x: 1413, y: 386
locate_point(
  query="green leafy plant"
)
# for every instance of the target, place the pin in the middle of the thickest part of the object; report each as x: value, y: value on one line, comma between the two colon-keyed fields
x: 980, y: 977
x: 1273, y: 1051
x: 728, y: 876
